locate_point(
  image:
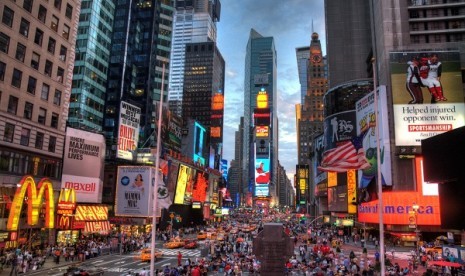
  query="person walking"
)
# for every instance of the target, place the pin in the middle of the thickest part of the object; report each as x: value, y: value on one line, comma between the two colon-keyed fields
x: 179, y: 258
x: 14, y: 264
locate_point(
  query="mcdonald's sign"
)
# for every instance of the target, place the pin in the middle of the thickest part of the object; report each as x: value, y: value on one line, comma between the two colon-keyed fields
x: 35, y: 198
x: 63, y: 222
x: 67, y: 199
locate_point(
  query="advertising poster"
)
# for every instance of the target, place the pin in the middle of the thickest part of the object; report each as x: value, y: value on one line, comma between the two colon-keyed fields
x: 83, y: 163
x: 450, y: 252
x: 339, y: 127
x: 366, y: 122
x: 184, y: 186
x: 427, y: 94
x: 262, y: 190
x: 134, y: 191
x: 262, y: 171
x: 128, y: 133
x: 318, y: 149
x: 337, y: 199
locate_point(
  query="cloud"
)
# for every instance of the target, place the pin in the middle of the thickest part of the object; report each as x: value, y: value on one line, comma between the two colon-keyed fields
x: 290, y: 23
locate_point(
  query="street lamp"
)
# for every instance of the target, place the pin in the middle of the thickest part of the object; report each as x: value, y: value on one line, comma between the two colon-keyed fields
x: 415, y: 208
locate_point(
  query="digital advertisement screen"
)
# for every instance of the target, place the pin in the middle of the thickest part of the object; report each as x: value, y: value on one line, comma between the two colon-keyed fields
x: 261, y: 131
x: 262, y: 171
x: 199, y: 144
x: 199, y: 191
x: 262, y: 190
x: 427, y: 93
x: 184, y: 185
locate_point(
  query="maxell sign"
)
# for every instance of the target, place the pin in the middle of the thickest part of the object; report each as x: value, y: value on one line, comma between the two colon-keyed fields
x: 83, y: 165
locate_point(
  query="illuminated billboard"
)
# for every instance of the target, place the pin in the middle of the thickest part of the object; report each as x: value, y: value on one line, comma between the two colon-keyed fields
x: 128, y: 133
x: 366, y: 122
x: 184, y: 186
x: 262, y: 190
x: 83, y: 163
x: 37, y: 196
x: 430, y: 100
x: 134, y: 191
x: 262, y: 171
x: 199, y: 191
x: 199, y: 144
x: 261, y: 131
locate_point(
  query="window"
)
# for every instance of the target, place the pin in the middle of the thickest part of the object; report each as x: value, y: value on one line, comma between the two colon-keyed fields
x: 24, y: 27
x: 35, y: 60
x: 12, y: 105
x: 25, y: 134
x: 8, y: 15
x: 2, y: 70
x: 65, y: 31
x: 48, y: 68
x: 17, y: 77
x: 39, y: 140
x: 60, y: 74
x: 437, y: 38
x: 57, y: 4
x: 45, y: 91
x: 39, y: 37
x: 28, y: 108
x: 9, y: 132
x: 42, y: 13
x: 51, y: 45
x: 4, y: 42
x: 69, y: 11
x: 20, y: 52
x: 54, y: 122
x: 42, y: 116
x: 52, y: 143
x: 63, y: 52
x: 57, y: 97
x: 54, y: 23
x: 27, y: 5
x: 31, y: 85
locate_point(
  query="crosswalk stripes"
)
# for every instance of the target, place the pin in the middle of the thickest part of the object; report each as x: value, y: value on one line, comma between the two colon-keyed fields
x: 184, y: 252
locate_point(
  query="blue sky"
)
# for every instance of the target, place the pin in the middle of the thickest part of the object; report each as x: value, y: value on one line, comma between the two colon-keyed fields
x: 290, y: 23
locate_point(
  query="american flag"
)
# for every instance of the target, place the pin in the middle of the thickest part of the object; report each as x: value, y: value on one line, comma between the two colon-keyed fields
x: 348, y: 156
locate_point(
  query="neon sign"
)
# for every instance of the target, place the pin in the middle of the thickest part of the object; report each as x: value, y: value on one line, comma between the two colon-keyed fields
x: 35, y: 196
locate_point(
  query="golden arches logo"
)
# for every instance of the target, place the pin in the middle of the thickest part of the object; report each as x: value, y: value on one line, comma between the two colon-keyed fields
x: 67, y: 195
x: 35, y: 197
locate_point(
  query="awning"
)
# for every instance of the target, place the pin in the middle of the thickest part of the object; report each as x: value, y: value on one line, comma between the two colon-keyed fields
x: 101, y: 227
x: 403, y: 234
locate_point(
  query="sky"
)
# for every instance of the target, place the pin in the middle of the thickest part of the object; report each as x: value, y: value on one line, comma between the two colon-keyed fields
x: 290, y: 23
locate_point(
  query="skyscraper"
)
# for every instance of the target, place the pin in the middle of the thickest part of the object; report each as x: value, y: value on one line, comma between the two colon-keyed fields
x: 91, y: 66
x: 194, y: 22
x: 260, y: 75
x: 303, y: 57
x: 139, y: 48
x: 37, y: 47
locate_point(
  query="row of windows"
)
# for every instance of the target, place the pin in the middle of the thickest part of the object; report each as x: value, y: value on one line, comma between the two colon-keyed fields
x: 8, y: 18
x: 416, y: 39
x: 9, y: 134
x: 23, y: 163
x: 16, y: 81
x: 38, y: 39
x: 28, y: 111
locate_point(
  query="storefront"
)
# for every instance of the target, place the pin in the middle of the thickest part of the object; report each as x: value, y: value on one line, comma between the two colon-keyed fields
x: 92, y: 219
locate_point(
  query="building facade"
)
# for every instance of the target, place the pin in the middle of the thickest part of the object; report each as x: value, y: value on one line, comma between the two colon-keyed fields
x: 260, y: 73
x: 194, y: 22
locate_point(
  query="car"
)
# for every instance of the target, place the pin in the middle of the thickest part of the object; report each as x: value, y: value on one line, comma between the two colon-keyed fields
x: 145, y: 255
x: 190, y: 244
x: 174, y: 243
x: 201, y: 235
x: 83, y: 270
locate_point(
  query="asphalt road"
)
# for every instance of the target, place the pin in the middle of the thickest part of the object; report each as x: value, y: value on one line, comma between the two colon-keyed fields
x: 117, y: 264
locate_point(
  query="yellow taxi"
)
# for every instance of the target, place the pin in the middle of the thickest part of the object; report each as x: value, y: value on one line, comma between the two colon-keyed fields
x: 201, y: 235
x: 174, y: 243
x: 145, y: 255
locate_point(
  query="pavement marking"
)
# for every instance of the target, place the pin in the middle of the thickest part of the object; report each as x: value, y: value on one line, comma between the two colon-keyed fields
x: 96, y: 262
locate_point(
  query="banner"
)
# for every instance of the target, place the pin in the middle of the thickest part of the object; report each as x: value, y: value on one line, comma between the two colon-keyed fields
x: 128, y: 133
x: 91, y: 213
x: 430, y: 100
x: 184, y: 185
x: 366, y: 121
x: 83, y: 165
x: 134, y: 191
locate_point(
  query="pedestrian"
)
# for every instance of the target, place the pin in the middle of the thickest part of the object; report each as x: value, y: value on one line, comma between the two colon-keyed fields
x: 14, y: 264
x: 179, y: 258
x: 393, y: 252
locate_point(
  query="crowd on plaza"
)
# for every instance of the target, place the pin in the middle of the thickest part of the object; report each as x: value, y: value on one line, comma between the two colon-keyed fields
x: 318, y: 251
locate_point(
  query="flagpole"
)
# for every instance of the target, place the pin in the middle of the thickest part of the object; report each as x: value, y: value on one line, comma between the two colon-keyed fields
x: 157, y: 168
x: 379, y: 179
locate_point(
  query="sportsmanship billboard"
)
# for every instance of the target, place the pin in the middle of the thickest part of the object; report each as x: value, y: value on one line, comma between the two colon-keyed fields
x: 83, y: 163
x: 366, y: 121
x: 128, y: 134
x: 430, y: 100
x: 134, y: 191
